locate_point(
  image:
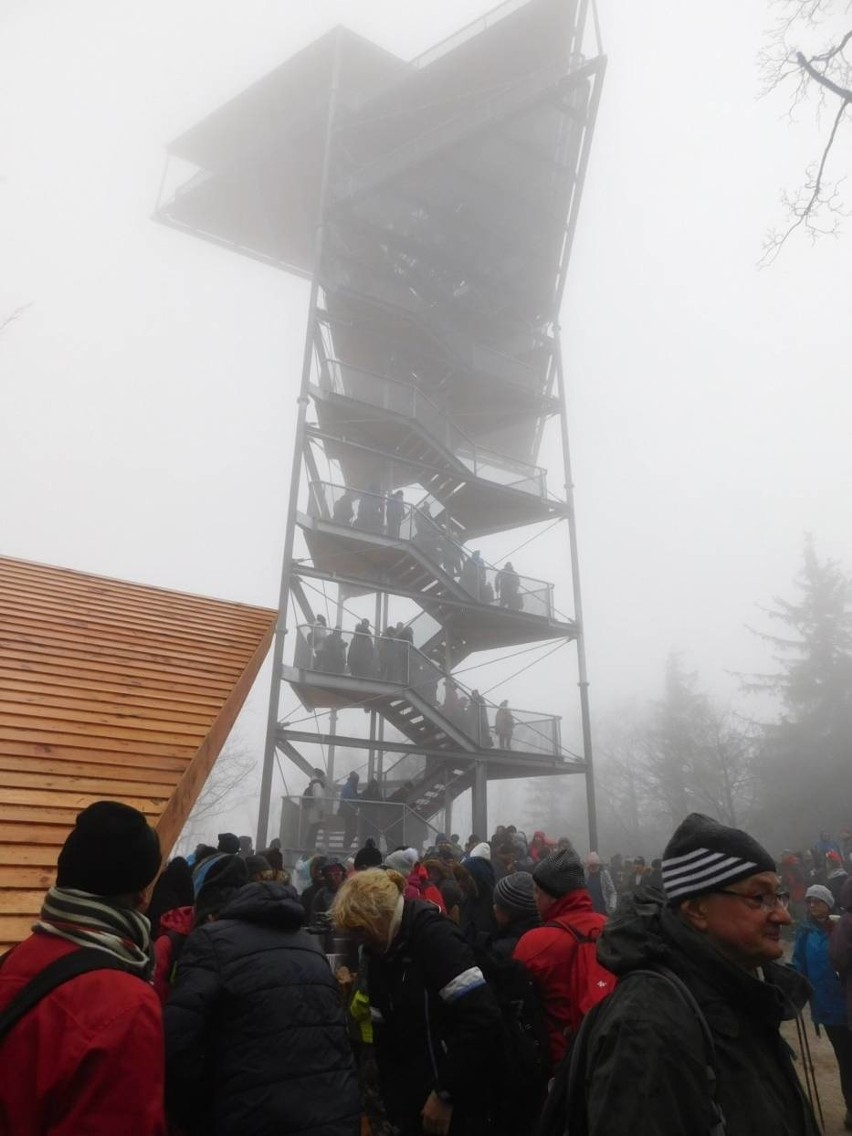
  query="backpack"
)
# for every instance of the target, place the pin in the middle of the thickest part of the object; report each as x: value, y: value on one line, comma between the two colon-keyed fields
x: 590, y: 982
x: 565, y: 1113
x: 525, y: 1044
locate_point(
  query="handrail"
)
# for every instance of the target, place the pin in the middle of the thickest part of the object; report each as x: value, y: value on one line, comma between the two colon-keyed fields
x: 384, y: 820
x: 379, y: 514
x: 474, y: 28
x: 395, y: 660
x: 407, y: 399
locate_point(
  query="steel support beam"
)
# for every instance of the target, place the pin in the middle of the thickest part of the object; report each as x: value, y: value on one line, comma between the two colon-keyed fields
x: 585, y: 714
x: 295, y: 474
x: 536, y: 762
x: 479, y: 805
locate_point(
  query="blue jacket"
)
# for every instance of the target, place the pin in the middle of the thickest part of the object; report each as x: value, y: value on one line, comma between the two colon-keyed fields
x: 810, y: 958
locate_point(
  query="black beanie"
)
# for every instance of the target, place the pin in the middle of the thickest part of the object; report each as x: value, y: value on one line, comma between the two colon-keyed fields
x: 367, y: 857
x: 228, y: 843
x: 560, y: 873
x: 112, y: 850
x: 704, y: 855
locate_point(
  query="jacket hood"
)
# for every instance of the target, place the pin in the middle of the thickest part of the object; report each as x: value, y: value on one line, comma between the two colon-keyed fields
x: 574, y: 901
x: 180, y: 919
x: 633, y: 938
x: 271, y: 904
x: 647, y: 932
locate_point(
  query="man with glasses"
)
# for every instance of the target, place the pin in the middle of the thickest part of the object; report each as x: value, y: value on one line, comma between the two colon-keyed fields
x: 689, y: 1042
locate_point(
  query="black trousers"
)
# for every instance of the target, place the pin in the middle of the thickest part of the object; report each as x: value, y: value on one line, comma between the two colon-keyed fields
x: 841, y: 1040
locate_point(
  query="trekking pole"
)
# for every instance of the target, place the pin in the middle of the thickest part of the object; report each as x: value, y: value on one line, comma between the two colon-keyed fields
x: 810, y: 1072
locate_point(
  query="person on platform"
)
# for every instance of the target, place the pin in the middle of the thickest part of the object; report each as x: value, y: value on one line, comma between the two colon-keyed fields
x: 395, y: 511
x: 504, y: 725
x: 348, y: 809
x: 508, y: 588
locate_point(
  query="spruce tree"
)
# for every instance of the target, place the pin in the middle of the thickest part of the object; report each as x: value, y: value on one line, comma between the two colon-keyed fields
x: 805, y: 763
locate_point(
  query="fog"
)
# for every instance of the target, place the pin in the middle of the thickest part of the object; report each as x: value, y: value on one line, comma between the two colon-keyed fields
x: 149, y: 381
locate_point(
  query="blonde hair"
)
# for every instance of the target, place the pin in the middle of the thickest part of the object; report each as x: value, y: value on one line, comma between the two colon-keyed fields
x: 367, y: 902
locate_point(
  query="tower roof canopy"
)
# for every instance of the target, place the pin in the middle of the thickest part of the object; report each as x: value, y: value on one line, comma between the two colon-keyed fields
x: 493, y: 97
x: 288, y: 99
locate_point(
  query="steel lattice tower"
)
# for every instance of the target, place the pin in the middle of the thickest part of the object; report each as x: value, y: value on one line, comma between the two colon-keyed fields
x: 432, y: 205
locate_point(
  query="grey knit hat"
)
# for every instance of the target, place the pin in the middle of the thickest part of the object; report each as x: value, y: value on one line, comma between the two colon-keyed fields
x: 819, y: 891
x: 402, y: 861
x: 560, y: 873
x: 514, y: 894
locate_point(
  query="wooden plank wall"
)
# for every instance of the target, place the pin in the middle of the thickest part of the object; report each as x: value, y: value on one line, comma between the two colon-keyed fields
x: 107, y: 690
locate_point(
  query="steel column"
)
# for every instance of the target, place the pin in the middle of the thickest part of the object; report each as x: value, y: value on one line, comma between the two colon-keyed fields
x: 295, y: 475
x: 585, y: 715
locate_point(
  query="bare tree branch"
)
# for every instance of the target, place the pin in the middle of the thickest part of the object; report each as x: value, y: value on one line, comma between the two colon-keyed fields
x: 13, y: 316
x: 804, y: 212
x: 820, y: 76
x: 806, y: 69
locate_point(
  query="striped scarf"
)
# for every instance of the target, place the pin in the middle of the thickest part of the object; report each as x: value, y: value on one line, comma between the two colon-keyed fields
x: 90, y: 921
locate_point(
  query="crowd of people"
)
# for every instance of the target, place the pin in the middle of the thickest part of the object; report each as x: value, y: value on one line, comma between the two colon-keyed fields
x: 502, y: 986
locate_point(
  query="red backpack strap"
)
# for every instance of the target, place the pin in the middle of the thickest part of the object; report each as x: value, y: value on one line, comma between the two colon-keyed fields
x: 591, y: 935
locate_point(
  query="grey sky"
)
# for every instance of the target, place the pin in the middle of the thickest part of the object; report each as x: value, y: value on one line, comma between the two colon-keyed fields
x: 149, y: 389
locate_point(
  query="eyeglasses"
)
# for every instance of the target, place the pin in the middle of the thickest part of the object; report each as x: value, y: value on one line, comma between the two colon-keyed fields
x: 768, y: 901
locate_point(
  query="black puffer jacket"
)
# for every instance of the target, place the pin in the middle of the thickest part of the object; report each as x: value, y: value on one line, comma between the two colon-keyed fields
x: 436, y: 1022
x: 647, y: 1057
x: 255, y: 1034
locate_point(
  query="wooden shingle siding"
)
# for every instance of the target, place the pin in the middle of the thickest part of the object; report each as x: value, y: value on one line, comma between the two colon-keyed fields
x: 107, y: 689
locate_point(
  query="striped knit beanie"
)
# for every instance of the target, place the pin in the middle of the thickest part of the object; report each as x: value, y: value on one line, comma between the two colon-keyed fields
x: 704, y: 856
x: 514, y: 893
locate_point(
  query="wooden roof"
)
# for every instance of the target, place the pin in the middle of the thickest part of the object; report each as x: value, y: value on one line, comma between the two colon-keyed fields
x: 107, y: 690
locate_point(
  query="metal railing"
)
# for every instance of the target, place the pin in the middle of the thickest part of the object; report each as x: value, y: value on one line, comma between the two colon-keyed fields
x: 474, y: 28
x: 392, y: 658
x: 346, y: 826
x: 374, y: 512
x: 408, y: 400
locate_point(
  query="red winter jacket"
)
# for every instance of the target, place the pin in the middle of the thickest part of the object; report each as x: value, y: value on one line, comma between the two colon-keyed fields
x: 548, y: 953
x: 88, y: 1059
x: 180, y: 920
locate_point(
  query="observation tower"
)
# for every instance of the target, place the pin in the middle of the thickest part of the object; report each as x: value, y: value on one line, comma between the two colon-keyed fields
x: 431, y: 204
